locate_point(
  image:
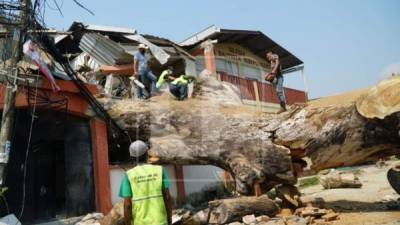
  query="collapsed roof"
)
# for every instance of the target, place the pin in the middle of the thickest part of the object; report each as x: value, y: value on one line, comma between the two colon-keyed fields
x: 116, y: 45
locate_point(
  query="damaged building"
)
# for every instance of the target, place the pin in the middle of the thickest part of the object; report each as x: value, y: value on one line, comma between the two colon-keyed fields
x: 239, y: 57
x: 71, y: 168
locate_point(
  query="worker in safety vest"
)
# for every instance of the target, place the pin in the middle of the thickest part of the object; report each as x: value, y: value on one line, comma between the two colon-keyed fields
x: 145, y: 189
x: 178, y: 85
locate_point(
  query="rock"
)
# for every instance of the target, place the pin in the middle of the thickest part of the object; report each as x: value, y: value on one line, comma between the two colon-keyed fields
x: 330, y: 216
x: 115, y: 216
x: 285, y: 212
x: 289, y: 194
x: 263, y: 218
x: 312, y: 211
x: 296, y: 220
x: 96, y: 216
x: 176, y: 219
x: 186, y: 215
x: 336, y: 179
x: 201, y: 217
x: 249, y: 219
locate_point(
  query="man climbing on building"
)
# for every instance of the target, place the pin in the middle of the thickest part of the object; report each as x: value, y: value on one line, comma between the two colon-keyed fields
x: 178, y: 85
x: 145, y: 189
x: 276, y: 78
x: 142, y: 72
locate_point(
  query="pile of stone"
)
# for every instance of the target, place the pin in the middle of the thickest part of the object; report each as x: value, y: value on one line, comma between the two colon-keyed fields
x: 308, y: 215
x: 314, y: 215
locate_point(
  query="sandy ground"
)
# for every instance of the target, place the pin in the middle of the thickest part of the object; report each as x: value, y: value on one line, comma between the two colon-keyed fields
x: 361, y: 206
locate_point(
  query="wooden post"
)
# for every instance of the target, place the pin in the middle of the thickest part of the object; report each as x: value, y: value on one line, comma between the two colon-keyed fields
x: 305, y: 83
x: 10, y: 93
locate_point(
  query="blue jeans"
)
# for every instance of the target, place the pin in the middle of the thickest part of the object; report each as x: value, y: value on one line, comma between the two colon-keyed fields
x: 180, y: 91
x: 278, y: 85
x: 144, y: 77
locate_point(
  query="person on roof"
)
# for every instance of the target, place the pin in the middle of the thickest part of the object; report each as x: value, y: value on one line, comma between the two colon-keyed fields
x: 143, y: 73
x: 145, y: 190
x: 178, y: 85
x: 276, y: 78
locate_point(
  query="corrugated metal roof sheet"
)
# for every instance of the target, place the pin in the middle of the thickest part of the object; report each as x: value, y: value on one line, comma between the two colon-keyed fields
x: 104, y: 50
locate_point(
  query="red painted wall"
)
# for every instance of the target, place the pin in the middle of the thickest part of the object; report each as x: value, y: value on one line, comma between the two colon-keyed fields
x: 266, y: 91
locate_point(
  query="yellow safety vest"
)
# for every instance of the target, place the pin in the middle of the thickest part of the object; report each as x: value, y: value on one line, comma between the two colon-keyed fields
x: 148, y: 207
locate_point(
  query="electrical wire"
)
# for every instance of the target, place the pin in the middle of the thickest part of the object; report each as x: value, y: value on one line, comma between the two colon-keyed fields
x: 27, y: 153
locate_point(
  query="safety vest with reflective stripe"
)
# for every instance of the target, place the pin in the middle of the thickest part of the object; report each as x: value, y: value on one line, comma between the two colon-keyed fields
x: 148, y: 206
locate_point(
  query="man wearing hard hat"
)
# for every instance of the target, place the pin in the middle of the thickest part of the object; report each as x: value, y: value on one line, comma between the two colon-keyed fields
x: 145, y: 189
x: 142, y: 72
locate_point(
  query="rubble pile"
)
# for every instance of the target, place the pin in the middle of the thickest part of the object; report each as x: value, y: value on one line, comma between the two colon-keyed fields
x: 302, y: 216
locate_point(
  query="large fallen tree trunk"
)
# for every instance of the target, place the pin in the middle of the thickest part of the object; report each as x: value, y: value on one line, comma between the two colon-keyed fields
x: 230, y: 210
x: 216, y: 128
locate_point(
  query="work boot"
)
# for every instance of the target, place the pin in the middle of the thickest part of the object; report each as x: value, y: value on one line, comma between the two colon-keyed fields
x: 281, y: 111
x: 283, y: 108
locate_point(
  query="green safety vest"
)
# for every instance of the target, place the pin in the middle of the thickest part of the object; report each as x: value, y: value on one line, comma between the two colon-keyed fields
x: 148, y: 207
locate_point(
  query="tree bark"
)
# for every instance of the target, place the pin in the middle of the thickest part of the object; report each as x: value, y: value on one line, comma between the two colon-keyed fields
x: 230, y: 210
x: 215, y: 128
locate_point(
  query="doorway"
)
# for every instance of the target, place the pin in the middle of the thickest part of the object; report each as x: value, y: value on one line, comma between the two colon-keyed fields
x: 55, y: 179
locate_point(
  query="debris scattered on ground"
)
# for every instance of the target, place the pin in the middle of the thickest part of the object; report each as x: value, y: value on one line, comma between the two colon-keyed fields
x: 91, y: 219
x: 249, y: 219
x: 339, y: 179
x: 301, y: 216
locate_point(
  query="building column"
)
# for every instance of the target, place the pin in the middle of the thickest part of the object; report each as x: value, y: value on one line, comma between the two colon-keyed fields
x: 180, y: 184
x: 256, y: 93
x: 101, y: 169
x: 209, y: 56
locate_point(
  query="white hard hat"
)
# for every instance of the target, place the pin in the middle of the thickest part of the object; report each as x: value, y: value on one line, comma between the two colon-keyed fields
x: 138, y: 148
x: 143, y: 46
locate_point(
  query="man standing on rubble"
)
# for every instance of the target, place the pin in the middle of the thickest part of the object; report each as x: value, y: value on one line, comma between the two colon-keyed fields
x: 178, y: 85
x: 276, y: 78
x: 145, y: 189
x: 142, y: 72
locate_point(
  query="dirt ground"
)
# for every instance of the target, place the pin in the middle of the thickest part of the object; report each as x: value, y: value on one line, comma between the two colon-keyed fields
x: 365, y: 205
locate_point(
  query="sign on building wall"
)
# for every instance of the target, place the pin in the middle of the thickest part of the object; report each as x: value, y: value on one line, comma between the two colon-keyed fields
x: 236, y: 53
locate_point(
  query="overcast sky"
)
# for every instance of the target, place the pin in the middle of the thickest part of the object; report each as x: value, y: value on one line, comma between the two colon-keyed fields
x: 345, y: 44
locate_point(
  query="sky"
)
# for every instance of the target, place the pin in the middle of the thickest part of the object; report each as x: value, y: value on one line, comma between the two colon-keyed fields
x: 344, y: 44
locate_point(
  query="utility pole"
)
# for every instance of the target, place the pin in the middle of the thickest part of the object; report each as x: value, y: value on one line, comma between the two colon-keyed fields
x: 7, y: 119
